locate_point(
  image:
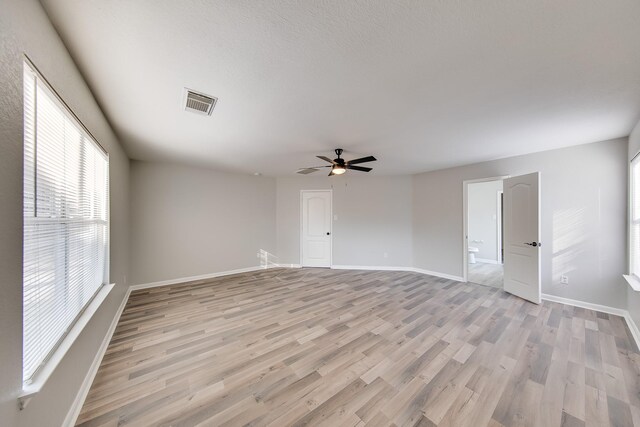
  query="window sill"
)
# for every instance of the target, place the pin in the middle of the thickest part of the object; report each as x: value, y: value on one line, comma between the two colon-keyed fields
x: 31, y: 389
x: 633, y: 282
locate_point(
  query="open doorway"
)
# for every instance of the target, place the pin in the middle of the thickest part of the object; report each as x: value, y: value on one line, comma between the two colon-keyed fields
x: 484, y: 232
x: 516, y: 265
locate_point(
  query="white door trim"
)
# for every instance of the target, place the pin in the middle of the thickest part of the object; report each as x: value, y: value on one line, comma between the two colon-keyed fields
x: 330, y: 191
x: 465, y: 218
x: 499, y: 257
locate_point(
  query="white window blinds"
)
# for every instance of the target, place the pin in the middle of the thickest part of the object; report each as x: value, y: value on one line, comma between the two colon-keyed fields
x: 66, y: 230
x: 634, y: 226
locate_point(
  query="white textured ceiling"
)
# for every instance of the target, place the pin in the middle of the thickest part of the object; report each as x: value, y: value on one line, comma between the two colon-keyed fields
x: 421, y: 85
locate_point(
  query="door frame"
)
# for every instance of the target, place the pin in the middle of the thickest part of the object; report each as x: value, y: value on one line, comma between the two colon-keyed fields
x: 465, y: 219
x: 330, y: 191
x: 499, y: 255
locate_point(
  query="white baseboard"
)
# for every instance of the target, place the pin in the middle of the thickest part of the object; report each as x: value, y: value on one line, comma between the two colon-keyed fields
x: 370, y: 267
x: 201, y: 277
x: 635, y: 332
x: 288, y: 265
x: 633, y: 328
x: 438, y: 274
x: 74, y: 411
x: 393, y: 268
x: 487, y: 261
x: 584, y: 304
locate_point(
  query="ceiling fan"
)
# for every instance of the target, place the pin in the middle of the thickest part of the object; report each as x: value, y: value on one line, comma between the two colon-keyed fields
x: 339, y: 166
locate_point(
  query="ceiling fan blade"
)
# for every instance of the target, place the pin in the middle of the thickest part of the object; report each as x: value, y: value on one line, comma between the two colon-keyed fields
x: 311, y: 169
x: 307, y: 171
x: 358, y: 168
x: 331, y: 172
x: 362, y: 160
x: 326, y: 159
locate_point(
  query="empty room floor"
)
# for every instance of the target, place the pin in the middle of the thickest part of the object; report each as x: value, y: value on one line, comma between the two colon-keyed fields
x: 334, y: 347
x: 486, y: 274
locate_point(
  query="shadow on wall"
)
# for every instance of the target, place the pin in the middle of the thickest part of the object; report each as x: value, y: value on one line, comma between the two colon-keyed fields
x: 569, y: 238
x: 267, y: 259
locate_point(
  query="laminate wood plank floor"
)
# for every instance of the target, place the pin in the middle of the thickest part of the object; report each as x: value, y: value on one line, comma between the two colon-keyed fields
x: 293, y: 347
x: 486, y: 274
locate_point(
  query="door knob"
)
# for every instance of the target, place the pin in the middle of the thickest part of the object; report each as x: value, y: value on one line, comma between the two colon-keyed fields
x: 534, y: 244
x: 328, y: 233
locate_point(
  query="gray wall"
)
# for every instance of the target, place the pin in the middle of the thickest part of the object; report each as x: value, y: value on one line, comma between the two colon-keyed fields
x: 374, y: 218
x: 189, y: 221
x: 584, y: 203
x: 633, y: 297
x: 24, y: 28
x: 483, y: 223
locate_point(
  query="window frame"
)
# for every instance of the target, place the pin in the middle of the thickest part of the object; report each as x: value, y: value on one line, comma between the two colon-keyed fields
x: 34, y: 384
x: 633, y: 277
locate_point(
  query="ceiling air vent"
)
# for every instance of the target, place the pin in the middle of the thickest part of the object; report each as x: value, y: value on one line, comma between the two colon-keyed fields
x: 199, y: 103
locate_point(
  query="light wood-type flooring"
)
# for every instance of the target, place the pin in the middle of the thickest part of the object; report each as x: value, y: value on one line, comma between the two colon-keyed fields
x: 284, y: 347
x: 486, y: 274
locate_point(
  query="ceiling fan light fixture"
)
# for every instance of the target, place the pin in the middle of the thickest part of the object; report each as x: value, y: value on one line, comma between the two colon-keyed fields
x: 338, y: 169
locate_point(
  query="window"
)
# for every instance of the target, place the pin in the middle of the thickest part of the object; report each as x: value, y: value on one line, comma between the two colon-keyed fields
x: 66, y: 228
x: 634, y: 223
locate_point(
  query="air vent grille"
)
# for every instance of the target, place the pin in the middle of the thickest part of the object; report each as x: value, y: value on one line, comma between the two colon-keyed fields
x: 199, y: 103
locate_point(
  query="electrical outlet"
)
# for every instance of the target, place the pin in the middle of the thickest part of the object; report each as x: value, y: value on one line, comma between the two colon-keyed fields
x: 564, y: 280
x: 386, y: 255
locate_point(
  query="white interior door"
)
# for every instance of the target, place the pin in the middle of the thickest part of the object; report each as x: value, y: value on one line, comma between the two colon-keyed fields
x: 522, y: 236
x: 316, y: 229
